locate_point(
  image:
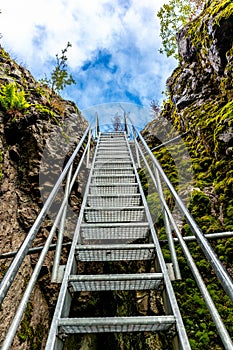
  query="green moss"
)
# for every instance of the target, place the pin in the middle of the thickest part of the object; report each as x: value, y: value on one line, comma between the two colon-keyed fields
x: 216, y: 12
x: 45, y: 110
x: 4, y: 54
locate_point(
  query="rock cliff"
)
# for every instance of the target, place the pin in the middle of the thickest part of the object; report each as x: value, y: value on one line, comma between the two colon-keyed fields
x: 199, y: 107
x: 23, y: 137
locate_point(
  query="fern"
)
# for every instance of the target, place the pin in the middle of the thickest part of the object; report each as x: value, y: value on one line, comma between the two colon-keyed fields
x: 13, y: 99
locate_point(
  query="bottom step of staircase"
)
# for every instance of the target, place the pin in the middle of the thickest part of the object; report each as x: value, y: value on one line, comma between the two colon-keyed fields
x: 116, y: 324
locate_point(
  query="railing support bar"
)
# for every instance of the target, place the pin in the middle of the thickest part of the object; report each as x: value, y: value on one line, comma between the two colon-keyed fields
x: 157, y: 182
x: 88, y: 148
x: 167, y: 227
x: 22, y: 252
x: 61, y: 229
x: 220, y: 271
x: 202, y: 287
x: 136, y: 150
x: 23, y: 303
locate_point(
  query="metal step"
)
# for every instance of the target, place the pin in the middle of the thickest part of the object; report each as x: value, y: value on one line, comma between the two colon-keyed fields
x: 114, y: 231
x: 110, y: 172
x: 123, y: 200
x: 118, y: 142
x: 112, y: 164
x: 112, y: 137
x: 113, y: 150
x: 116, y: 324
x: 115, y: 252
x: 112, y: 157
x: 106, y: 179
x: 114, y: 189
x: 110, y: 146
x: 121, y: 214
x: 142, y: 281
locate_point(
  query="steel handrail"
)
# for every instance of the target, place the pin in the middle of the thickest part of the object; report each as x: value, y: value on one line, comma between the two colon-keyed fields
x: 222, y: 331
x: 183, y: 339
x: 29, y: 288
x: 219, y: 269
x: 62, y: 295
x: 158, y: 186
x: 69, y: 186
x: 22, y: 252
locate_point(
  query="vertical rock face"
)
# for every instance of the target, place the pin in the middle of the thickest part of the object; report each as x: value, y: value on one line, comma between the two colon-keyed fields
x: 23, y: 138
x: 205, y: 46
x: 200, y: 103
x: 201, y: 93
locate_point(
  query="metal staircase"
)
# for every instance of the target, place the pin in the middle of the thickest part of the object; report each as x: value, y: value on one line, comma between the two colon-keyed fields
x: 113, y: 217
x: 114, y: 226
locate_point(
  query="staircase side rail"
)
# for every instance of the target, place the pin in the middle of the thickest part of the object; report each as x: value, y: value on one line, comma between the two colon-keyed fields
x: 219, y: 269
x: 156, y: 180
x: 22, y: 251
x: 51, y: 340
x: 182, y: 335
x: 9, y: 337
x: 222, y: 331
x: 69, y: 185
x: 29, y: 288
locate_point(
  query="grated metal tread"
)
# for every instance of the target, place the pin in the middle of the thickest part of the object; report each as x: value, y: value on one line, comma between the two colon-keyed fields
x: 116, y: 324
x: 114, y: 231
x: 117, y: 214
x: 115, y: 252
x: 114, y: 189
x: 111, y: 142
x: 142, y: 281
x: 111, y: 147
x: 106, y: 179
x: 112, y: 150
x: 116, y: 157
x: 111, y: 200
x: 109, y: 171
x: 112, y: 164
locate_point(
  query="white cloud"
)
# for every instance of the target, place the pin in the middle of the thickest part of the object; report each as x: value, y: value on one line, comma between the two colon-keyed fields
x: 128, y: 29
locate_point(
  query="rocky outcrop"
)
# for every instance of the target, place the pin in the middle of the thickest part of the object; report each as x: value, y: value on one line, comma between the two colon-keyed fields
x: 200, y: 109
x: 23, y: 137
x: 204, y: 47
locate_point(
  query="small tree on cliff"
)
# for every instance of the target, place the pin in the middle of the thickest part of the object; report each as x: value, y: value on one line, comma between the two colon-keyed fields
x: 59, y: 77
x: 173, y: 16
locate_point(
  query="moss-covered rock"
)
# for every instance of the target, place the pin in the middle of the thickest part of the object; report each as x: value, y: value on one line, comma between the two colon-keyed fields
x: 199, y: 107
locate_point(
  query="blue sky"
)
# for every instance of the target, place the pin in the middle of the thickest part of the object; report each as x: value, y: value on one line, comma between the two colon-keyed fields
x: 114, y: 56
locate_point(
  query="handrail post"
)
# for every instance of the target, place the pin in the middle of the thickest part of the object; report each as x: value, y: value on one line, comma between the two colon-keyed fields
x: 88, y: 148
x: 97, y: 127
x: 126, y: 126
x: 167, y: 226
x: 136, y: 150
x: 57, y: 256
